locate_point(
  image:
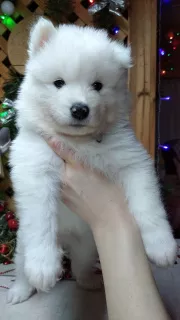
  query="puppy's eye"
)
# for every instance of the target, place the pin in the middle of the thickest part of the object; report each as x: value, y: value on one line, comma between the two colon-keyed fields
x: 59, y: 83
x: 97, y: 86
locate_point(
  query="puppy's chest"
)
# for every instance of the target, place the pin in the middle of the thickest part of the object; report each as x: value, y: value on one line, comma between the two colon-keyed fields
x: 98, y: 155
x: 105, y: 162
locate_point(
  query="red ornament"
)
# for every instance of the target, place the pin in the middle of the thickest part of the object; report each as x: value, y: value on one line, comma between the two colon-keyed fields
x: 7, y: 262
x: 9, y: 215
x: 4, y: 248
x: 13, y: 224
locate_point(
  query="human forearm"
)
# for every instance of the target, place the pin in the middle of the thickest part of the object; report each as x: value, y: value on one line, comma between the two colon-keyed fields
x: 130, y: 289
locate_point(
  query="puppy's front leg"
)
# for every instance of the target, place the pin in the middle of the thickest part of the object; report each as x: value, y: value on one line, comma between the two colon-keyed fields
x: 37, y: 205
x: 142, y: 192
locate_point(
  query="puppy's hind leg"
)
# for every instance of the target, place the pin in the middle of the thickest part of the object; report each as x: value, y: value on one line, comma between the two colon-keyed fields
x: 21, y: 290
x: 83, y: 258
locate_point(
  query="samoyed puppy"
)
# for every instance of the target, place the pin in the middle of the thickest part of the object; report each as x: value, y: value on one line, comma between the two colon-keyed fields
x: 75, y: 91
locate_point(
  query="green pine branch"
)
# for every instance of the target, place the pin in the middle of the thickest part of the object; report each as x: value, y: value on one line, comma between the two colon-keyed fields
x: 59, y: 10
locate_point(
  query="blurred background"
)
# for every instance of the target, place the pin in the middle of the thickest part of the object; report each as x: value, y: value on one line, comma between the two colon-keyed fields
x: 168, y: 116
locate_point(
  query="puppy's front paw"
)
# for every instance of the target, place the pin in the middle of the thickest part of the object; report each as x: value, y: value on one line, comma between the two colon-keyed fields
x: 90, y: 282
x: 19, y: 292
x: 160, y: 246
x: 43, y: 269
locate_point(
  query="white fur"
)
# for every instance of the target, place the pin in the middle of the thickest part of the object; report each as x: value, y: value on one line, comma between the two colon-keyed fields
x: 80, y: 56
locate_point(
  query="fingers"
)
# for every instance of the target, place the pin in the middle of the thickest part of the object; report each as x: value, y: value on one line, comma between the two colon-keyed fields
x: 68, y: 155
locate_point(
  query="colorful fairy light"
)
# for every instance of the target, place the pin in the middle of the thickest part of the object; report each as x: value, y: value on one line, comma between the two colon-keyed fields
x: 165, y: 98
x: 162, y: 52
x: 115, y: 30
x: 163, y: 72
x: 164, y: 147
x: 170, y: 35
x: 7, y: 21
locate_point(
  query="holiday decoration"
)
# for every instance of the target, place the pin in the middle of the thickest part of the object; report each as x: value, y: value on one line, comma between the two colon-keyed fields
x: 11, y: 87
x: 165, y: 98
x: 114, y: 6
x: 8, y: 113
x: 8, y: 228
x: 58, y: 10
x: 164, y: 147
x: 104, y: 12
x: 104, y: 19
x: 7, y: 7
x: 7, y: 262
x: 4, y: 140
x: 9, y: 215
x: 12, y: 224
x: 163, y: 72
x: 7, y: 103
x: 9, y: 130
x: 6, y: 116
x: 4, y: 249
x: 7, y: 21
x: 114, y: 30
x: 169, y: 52
x: 162, y: 52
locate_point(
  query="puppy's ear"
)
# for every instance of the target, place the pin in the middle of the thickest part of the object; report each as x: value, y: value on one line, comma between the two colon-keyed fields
x: 40, y: 34
x: 122, y: 54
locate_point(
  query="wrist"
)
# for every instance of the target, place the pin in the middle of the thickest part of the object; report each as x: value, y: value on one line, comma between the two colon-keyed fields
x: 116, y: 221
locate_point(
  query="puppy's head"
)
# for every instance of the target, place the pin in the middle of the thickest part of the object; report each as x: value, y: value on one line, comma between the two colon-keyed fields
x: 75, y: 78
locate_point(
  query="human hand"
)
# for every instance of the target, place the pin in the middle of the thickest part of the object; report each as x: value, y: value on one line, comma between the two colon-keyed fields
x: 88, y: 193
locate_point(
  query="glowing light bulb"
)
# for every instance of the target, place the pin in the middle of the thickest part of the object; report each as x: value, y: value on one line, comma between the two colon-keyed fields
x: 115, y: 30
x: 164, y: 147
x: 162, y: 52
x: 165, y: 98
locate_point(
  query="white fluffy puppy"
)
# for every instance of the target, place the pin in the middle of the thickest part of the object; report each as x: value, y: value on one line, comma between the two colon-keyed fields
x: 75, y: 90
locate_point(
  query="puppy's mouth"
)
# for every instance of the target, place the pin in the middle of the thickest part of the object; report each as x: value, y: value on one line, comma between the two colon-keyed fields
x: 77, y: 129
x: 78, y: 125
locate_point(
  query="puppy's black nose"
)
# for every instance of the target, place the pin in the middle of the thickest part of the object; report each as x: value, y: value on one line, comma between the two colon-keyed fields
x: 79, y: 111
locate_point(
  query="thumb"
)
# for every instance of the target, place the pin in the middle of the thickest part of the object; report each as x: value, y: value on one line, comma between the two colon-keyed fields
x: 65, y: 153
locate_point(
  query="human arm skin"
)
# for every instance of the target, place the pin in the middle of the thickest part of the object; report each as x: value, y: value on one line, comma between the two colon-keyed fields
x: 130, y: 289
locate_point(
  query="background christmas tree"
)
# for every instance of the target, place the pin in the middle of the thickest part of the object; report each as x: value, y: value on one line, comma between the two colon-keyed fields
x: 8, y: 221
x: 8, y: 228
